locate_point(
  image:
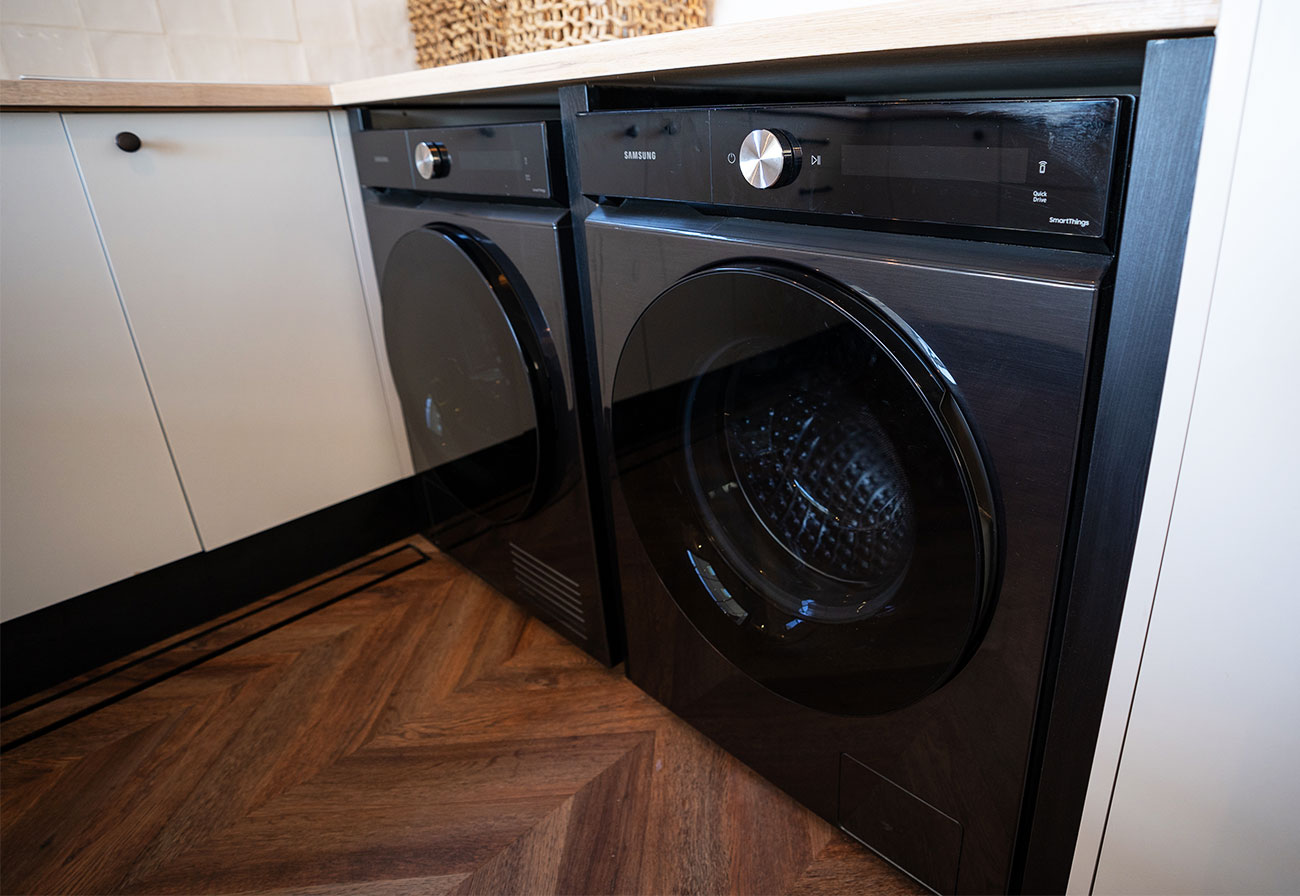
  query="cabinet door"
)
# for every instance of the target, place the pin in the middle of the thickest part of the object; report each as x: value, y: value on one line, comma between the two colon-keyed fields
x: 88, y: 493
x: 229, y: 238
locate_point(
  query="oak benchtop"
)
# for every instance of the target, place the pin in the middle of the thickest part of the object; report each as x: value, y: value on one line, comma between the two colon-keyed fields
x: 43, y: 93
x: 883, y: 25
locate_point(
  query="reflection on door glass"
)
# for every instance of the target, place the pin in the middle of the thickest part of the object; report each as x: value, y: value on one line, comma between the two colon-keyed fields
x: 825, y: 480
x: 788, y: 449
x: 718, y: 591
x: 432, y: 419
x: 466, y: 387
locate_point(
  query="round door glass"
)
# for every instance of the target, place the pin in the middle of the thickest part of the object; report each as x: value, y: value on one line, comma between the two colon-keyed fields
x: 797, y: 467
x: 469, y: 394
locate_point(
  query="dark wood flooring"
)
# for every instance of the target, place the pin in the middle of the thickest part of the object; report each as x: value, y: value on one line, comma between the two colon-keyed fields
x: 393, y: 727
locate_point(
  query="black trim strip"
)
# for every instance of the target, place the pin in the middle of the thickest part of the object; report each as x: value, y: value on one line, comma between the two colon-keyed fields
x: 47, y: 648
x: 185, y: 667
x: 116, y: 670
x: 1116, y: 455
x: 593, y: 422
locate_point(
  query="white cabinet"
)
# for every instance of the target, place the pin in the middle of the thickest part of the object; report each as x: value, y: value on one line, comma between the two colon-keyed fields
x: 88, y: 493
x: 229, y: 240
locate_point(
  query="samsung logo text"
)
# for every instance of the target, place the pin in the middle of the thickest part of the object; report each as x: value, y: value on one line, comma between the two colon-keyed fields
x: 646, y: 154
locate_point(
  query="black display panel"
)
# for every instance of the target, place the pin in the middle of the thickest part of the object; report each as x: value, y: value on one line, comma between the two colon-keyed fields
x: 1022, y: 165
x: 977, y: 164
x: 506, y: 160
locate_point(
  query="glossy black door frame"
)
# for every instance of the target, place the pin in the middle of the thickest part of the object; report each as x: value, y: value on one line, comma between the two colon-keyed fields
x: 1116, y: 455
x: 753, y: 392
x: 437, y: 253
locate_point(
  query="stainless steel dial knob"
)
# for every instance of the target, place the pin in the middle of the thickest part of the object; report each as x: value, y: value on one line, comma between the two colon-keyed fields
x: 432, y: 160
x: 768, y: 158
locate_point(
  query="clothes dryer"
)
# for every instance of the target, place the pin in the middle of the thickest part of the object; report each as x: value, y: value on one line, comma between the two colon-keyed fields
x: 471, y: 239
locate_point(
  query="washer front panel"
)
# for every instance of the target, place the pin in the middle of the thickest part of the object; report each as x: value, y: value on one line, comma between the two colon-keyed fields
x: 1011, y: 328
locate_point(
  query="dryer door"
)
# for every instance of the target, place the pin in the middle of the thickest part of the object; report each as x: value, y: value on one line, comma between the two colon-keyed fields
x: 464, y: 345
x: 798, y: 467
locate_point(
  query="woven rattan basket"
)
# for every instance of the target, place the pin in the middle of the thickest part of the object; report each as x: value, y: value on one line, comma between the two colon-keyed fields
x: 450, y: 31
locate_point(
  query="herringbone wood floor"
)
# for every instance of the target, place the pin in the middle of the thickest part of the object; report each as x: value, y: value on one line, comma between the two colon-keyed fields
x: 394, y: 727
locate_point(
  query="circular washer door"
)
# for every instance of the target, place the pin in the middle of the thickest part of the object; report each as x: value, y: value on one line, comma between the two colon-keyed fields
x: 464, y: 345
x: 799, y: 470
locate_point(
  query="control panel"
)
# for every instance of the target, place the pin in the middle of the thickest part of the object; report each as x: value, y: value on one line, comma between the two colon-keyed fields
x: 1041, y: 166
x: 500, y: 160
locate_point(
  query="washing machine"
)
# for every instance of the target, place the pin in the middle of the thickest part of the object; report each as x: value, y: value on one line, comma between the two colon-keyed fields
x: 471, y: 236
x: 844, y: 351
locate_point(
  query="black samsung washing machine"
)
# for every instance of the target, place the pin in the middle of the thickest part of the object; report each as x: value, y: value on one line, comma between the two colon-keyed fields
x: 845, y: 457
x: 471, y: 238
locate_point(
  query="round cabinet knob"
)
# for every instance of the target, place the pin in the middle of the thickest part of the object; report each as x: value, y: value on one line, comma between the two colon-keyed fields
x: 432, y: 160
x: 769, y: 159
x: 127, y: 142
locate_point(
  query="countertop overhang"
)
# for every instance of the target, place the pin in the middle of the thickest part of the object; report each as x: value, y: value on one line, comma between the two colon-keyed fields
x: 38, y: 94
x: 890, y: 25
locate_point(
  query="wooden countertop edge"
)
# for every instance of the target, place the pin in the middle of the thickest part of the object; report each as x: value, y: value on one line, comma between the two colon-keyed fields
x: 888, y: 25
x: 37, y: 94
x: 884, y: 26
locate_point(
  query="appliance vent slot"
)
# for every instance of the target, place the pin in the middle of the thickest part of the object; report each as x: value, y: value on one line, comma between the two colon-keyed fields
x: 550, y: 590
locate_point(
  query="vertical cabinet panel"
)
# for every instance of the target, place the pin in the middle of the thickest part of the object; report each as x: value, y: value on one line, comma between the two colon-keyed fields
x: 229, y: 239
x: 1207, y: 799
x: 88, y: 493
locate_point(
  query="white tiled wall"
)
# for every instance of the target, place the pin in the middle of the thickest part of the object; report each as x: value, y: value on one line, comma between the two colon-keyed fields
x: 206, y: 40
x: 727, y: 12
